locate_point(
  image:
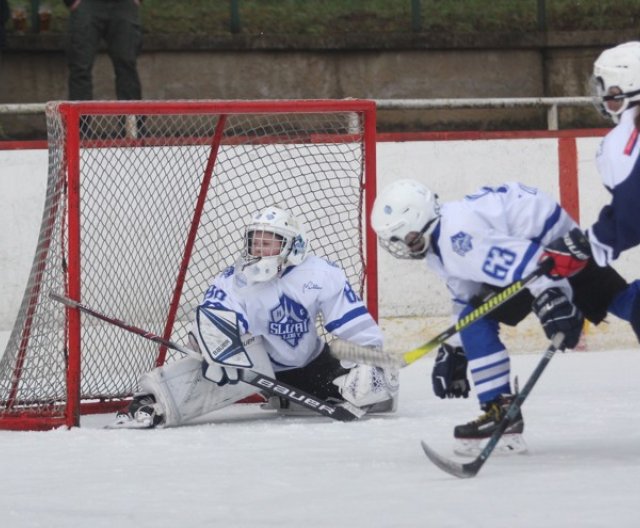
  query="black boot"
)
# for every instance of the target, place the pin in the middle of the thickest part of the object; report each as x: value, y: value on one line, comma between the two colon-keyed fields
x: 142, y: 413
x: 487, y: 423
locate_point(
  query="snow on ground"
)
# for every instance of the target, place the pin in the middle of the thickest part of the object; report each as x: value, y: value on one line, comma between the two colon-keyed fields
x: 251, y: 468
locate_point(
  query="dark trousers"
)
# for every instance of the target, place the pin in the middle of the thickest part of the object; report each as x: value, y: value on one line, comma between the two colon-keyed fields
x: 317, y: 377
x: 594, y: 291
x: 117, y: 22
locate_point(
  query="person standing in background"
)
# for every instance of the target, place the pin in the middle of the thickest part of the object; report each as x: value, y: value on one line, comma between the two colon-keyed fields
x: 117, y: 22
x: 4, y: 17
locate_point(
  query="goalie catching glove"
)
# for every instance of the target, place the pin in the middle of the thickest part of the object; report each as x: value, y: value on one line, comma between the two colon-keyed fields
x: 216, y: 335
x: 365, y: 386
x: 558, y: 314
x: 449, y: 375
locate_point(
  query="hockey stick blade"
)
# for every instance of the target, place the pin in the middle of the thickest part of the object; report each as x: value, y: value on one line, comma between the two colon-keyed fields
x: 378, y: 357
x: 456, y: 469
x: 471, y: 469
x: 344, y: 412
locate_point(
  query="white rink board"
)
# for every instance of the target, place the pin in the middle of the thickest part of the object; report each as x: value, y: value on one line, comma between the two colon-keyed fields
x: 413, y: 303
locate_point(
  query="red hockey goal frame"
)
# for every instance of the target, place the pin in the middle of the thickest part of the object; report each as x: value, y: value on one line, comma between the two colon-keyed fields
x: 95, y: 146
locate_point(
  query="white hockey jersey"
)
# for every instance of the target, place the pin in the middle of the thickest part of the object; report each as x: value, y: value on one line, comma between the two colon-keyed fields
x: 618, y: 161
x: 495, y: 237
x: 284, y: 311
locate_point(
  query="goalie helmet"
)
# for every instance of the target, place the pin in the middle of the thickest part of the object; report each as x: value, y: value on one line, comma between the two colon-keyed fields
x: 404, y: 215
x: 274, y: 240
x: 616, y: 79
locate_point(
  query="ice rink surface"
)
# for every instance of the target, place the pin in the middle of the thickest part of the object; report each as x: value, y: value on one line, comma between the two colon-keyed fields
x: 250, y: 468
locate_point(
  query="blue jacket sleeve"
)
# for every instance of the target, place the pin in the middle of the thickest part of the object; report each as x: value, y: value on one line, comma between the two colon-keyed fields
x: 618, y: 225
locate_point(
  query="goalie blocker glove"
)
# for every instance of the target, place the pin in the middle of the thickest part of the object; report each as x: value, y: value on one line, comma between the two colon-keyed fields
x: 216, y: 334
x: 558, y: 314
x: 570, y: 254
x: 449, y: 375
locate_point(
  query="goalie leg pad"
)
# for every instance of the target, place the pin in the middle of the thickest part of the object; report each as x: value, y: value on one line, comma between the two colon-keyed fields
x: 185, y: 395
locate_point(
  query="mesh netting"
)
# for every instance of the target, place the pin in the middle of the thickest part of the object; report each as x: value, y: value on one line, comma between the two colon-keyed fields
x: 146, y: 181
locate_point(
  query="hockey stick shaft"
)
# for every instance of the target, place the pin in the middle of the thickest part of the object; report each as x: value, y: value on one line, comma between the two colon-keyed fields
x: 359, y: 354
x: 472, y: 468
x: 343, y: 413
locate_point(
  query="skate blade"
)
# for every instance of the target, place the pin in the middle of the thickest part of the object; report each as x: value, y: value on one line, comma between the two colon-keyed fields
x: 509, y: 444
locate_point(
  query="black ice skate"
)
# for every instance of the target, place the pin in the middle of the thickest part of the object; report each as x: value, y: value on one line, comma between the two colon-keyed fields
x: 142, y: 413
x: 471, y: 437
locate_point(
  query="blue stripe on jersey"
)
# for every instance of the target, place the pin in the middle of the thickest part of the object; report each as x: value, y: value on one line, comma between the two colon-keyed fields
x: 349, y: 316
x: 551, y: 221
x: 535, y: 242
x: 528, y: 255
x: 618, y: 224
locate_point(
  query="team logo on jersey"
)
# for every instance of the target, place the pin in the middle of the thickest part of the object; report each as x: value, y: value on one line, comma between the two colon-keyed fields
x: 461, y: 243
x: 289, y: 320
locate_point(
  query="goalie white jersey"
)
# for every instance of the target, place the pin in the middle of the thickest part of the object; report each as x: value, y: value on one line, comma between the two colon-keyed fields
x: 284, y: 311
x: 474, y: 242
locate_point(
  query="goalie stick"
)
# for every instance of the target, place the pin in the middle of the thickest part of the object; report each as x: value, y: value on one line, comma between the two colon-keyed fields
x: 378, y: 357
x: 471, y: 469
x: 344, y: 412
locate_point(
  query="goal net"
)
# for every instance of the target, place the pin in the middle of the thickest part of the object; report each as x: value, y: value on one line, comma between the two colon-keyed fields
x: 145, y: 204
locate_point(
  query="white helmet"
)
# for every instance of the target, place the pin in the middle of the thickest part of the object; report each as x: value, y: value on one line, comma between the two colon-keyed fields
x: 404, y: 215
x: 619, y: 68
x: 290, y: 237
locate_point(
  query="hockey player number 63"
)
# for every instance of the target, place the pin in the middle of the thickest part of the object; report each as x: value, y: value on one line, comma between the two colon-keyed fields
x: 498, y: 262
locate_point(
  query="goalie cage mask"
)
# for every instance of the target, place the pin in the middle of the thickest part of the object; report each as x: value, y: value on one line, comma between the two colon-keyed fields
x: 274, y: 240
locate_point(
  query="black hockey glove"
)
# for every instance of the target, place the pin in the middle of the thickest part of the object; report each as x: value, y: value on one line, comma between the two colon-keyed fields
x: 558, y: 314
x: 449, y: 374
x: 569, y: 253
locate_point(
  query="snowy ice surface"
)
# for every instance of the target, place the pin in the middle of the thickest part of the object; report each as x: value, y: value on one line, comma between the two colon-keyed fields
x: 250, y: 468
